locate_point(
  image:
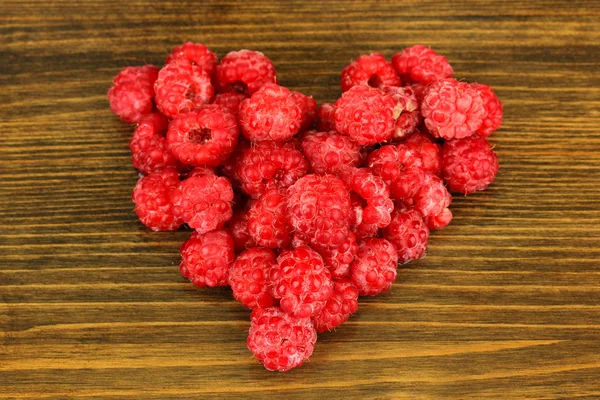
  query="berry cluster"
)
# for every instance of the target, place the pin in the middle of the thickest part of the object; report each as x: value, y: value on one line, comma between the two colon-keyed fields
x: 301, y: 209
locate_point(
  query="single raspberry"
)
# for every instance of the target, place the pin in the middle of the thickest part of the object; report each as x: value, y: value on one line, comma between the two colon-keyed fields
x: 152, y: 123
x: 132, y: 92
x: 244, y: 71
x: 374, y: 267
x: 408, y: 233
x: 376, y: 194
x: 421, y: 64
x: 338, y: 260
x: 205, y: 137
x: 369, y: 70
x: 199, y: 171
x: 271, y: 113
x: 308, y: 110
x: 452, y: 109
x: 301, y: 281
x: 365, y: 231
x: 149, y: 152
x: 429, y: 151
x: 328, y: 152
x: 433, y: 197
x: 206, y: 258
x: 203, y: 202
x: 326, y: 117
x: 400, y: 167
x: 269, y: 165
x: 152, y: 200
x: 493, y: 106
x: 280, y: 341
x: 469, y: 164
x: 181, y: 88
x: 267, y: 222
x: 342, y: 303
x: 238, y: 227
x: 195, y: 54
x: 408, y: 107
x: 231, y: 101
x: 249, y: 278
x: 439, y: 221
x: 318, y: 210
x: 366, y: 114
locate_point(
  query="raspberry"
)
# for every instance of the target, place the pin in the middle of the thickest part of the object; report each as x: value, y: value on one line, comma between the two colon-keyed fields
x: 439, y: 221
x: 152, y: 202
x: 280, y: 341
x: 326, y: 117
x: 203, y: 202
x: 267, y: 220
x: 419, y: 91
x: 308, y: 110
x: 366, y: 114
x: 408, y: 107
x: 231, y: 101
x: 374, y: 268
x: 205, y: 137
x: 195, y: 54
x: 421, y: 64
x: 269, y: 165
x: 375, y: 192
x: 199, y: 171
x: 249, y: 278
x: 244, y: 71
x: 319, y: 210
x: 301, y: 281
x: 328, y: 152
x: 429, y: 151
x: 131, y: 94
x: 342, y: 303
x: 432, y: 198
x: 408, y: 233
x: 400, y: 167
x: 238, y: 227
x: 206, y: 258
x: 370, y: 70
x: 452, y: 109
x: 153, y: 123
x: 365, y: 231
x: 181, y: 88
x: 271, y: 113
x: 493, y: 106
x: 339, y: 259
x: 469, y: 164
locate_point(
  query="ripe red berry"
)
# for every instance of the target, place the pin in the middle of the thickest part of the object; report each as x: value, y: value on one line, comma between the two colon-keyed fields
x: 308, y: 110
x: 369, y: 70
x: 408, y: 233
x: 338, y: 260
x: 238, y: 227
x: 406, y: 110
x: 493, y: 106
x: 132, y: 92
x: 428, y: 150
x: 206, y: 258
x: 231, y: 101
x: 195, y: 54
x: 421, y: 64
x: 374, y: 268
x: 181, y: 88
x: 328, y: 152
x: 400, y: 167
x: 439, y: 221
x: 267, y: 222
x: 326, y: 117
x: 152, y: 200
x: 342, y: 303
x: 373, y: 190
x: 432, y: 198
x: 249, y: 278
x: 244, y: 71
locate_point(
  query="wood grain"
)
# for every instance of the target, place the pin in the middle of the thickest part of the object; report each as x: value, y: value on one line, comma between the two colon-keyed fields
x: 505, y: 305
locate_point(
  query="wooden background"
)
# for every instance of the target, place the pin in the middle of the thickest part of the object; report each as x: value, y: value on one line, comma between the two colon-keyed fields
x: 506, y: 304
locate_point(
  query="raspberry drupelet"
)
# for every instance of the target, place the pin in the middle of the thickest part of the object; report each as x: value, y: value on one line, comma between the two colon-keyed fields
x: 206, y: 258
x: 267, y: 222
x: 421, y: 64
x: 203, y: 202
x: 374, y: 267
x: 493, y: 107
x: 439, y: 221
x: 181, y: 88
x: 338, y: 260
x: 342, y: 303
x: 195, y: 54
x: 153, y: 203
x: 204, y: 137
x: 328, y: 152
x: 408, y: 233
x: 249, y: 278
x: 131, y: 95
x: 301, y: 281
x: 244, y: 71
x: 369, y: 70
x: 308, y: 110
x: 326, y: 117
x: 280, y: 341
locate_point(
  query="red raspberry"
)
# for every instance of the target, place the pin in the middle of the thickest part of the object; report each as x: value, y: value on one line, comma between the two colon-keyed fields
x: 469, y: 164
x: 429, y: 151
x: 433, y: 197
x: 366, y: 114
x: 319, y: 210
x: 328, y: 152
x: 152, y: 202
x: 301, y: 281
x: 365, y: 231
x: 181, y: 88
x: 452, y: 109
x: 375, y: 192
x: 271, y: 113
x: 339, y: 259
x: 408, y: 107
x: 326, y: 117
x: 205, y: 137
x: 308, y: 110
x: 249, y: 278
x: 238, y: 227
x: 280, y: 341
x: 493, y: 106
x: 374, y: 268
x: 439, y: 221
x: 356, y: 210
x: 195, y: 54
x: 199, y: 171
x: 244, y: 71
x: 421, y: 64
x: 203, y: 202
x: 400, y: 167
x: 342, y: 303
x: 419, y: 91
x: 369, y: 70
x: 131, y: 94
x: 267, y: 220
x: 269, y: 165
x: 408, y: 233
x: 206, y: 258
x: 231, y: 101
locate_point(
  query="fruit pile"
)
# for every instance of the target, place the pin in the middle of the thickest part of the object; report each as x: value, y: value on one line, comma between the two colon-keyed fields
x: 299, y: 221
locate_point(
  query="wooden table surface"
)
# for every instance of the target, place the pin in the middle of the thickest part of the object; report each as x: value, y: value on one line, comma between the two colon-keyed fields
x: 505, y: 305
